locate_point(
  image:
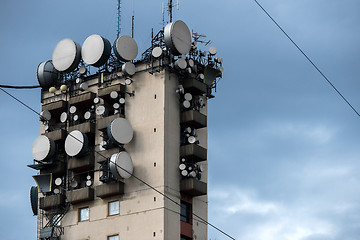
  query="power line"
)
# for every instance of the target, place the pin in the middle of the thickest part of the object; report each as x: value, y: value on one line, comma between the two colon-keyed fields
x: 137, y: 178
x: 19, y: 87
x: 312, y: 63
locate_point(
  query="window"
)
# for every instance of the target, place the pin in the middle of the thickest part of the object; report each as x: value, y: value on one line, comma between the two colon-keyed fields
x: 84, y: 214
x: 113, y: 208
x: 113, y: 237
x: 184, y: 238
x: 185, y: 212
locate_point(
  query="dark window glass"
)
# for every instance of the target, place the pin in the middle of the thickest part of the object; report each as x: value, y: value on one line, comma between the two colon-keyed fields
x: 185, y: 212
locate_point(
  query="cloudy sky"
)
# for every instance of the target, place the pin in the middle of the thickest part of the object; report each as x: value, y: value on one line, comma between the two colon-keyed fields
x: 283, y: 146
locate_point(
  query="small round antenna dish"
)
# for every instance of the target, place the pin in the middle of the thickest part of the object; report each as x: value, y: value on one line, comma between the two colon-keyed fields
x: 96, y: 100
x: 182, y: 166
x: 56, y: 191
x: 88, y: 183
x: 116, y: 105
x: 212, y: 50
x: 188, y: 96
x: 184, y: 173
x: 96, y: 50
x: 100, y: 110
x: 76, y: 117
x: 74, y: 184
x: 66, y: 56
x: 114, y: 94
x: 128, y: 81
x: 45, y: 115
x: 76, y: 143
x: 47, y: 75
x: 87, y: 115
x: 58, y: 181
x: 63, y: 117
x: 84, y: 86
x: 122, y: 100
x: 128, y: 68
x: 121, y: 165
x: 156, y: 52
x: 72, y: 109
x: 191, y: 139
x: 186, y: 104
x: 82, y: 70
x: 125, y: 48
x: 181, y: 64
x: 43, y: 148
x: 177, y: 37
x: 120, y: 131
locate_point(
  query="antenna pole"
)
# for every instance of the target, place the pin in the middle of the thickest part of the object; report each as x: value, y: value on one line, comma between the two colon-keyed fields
x: 170, y: 9
x: 132, y: 21
x: 118, y: 18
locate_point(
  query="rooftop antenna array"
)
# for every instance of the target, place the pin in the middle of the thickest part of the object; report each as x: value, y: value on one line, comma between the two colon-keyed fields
x: 169, y: 7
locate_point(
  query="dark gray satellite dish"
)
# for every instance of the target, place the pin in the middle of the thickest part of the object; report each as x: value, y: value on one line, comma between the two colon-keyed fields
x: 121, y: 165
x: 66, y: 55
x: 177, y: 37
x: 96, y: 50
x: 43, y: 148
x: 44, y: 182
x: 120, y: 131
x: 125, y: 48
x: 128, y: 68
x: 34, y: 199
x: 47, y: 75
x: 76, y: 144
x: 45, y: 115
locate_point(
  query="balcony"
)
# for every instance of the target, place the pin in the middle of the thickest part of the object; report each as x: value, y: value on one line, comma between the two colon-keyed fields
x: 56, y: 108
x: 193, y: 119
x: 194, y: 86
x: 87, y: 127
x: 52, y: 202
x: 56, y: 135
x: 105, y: 92
x: 193, y: 187
x: 80, y: 195
x: 193, y: 152
x: 109, y: 189
x: 84, y: 99
x: 103, y: 123
x: 81, y: 163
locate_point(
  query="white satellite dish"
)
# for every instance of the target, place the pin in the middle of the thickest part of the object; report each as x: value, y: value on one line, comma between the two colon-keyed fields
x: 87, y: 115
x: 181, y: 64
x: 45, y: 115
x: 201, y: 76
x: 63, y: 117
x: 100, y: 110
x: 88, y: 177
x: 192, y: 174
x: 88, y: 183
x: 76, y: 117
x: 128, y: 81
x: 76, y: 143
x: 120, y: 131
x: 121, y: 165
x: 125, y: 48
x: 56, y: 191
x: 47, y: 75
x: 72, y: 109
x: 58, y: 181
x: 74, y: 184
x: 116, y: 105
x: 122, y: 100
x: 78, y: 80
x: 188, y: 96
x: 201, y: 168
x: 186, y: 104
x: 46, y: 127
x: 184, y: 173
x: 128, y: 68
x: 182, y: 166
x: 84, y: 86
x: 156, y: 52
x: 96, y: 50
x: 212, y: 50
x: 43, y: 148
x: 66, y: 55
x: 96, y: 100
x: 191, y: 139
x: 188, y: 130
x: 183, y: 160
x: 82, y: 70
x: 218, y: 60
x: 191, y: 63
x: 177, y: 37
x: 114, y: 94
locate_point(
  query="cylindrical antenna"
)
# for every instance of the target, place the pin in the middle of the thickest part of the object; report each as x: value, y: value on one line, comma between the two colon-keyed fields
x: 132, y: 20
x: 170, y: 9
x: 118, y: 18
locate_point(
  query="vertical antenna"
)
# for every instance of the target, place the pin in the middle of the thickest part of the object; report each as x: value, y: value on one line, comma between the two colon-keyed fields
x: 118, y: 18
x: 163, y: 14
x: 170, y: 6
x: 132, y: 20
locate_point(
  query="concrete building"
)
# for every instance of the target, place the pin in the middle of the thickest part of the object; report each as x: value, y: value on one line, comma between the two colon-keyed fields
x: 85, y: 195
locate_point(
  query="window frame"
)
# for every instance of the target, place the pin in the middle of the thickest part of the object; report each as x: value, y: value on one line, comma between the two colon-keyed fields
x: 79, y: 212
x: 113, y: 235
x: 108, y: 208
x: 188, y: 210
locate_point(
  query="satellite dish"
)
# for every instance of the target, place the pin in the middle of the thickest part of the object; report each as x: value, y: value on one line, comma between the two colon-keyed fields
x: 72, y: 109
x: 192, y: 174
x: 183, y: 160
x: 96, y: 100
x: 58, y: 181
x: 63, y: 117
x: 212, y: 50
x: 156, y: 52
x: 182, y: 166
x: 125, y: 48
x: 88, y: 177
x: 34, y: 199
x: 186, y: 104
x: 84, y: 86
x: 184, y: 173
x: 82, y: 70
x: 45, y: 115
x: 56, y: 191
x: 76, y: 143
x: 122, y: 100
x: 66, y: 56
x: 201, y: 77
x: 128, y: 81
x: 87, y: 115
x: 46, y: 127
x: 199, y: 176
x: 121, y: 165
x: 103, y: 145
x: 100, y: 110
x: 177, y: 37
x: 116, y: 105
x: 43, y: 148
x: 96, y: 50
x: 44, y: 182
x: 210, y: 75
x: 201, y: 168
x: 188, y: 96
x: 76, y: 117
x: 191, y: 63
x: 218, y: 60
x: 114, y: 94
x: 74, y: 184
x: 47, y: 75
x: 128, y: 68
x: 191, y: 139
x: 188, y: 130
x: 88, y: 183
x: 120, y: 131
x: 78, y: 80
x: 180, y: 64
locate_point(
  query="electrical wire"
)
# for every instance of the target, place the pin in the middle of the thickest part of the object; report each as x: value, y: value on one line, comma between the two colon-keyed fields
x: 303, y: 53
x: 19, y: 87
x: 137, y: 178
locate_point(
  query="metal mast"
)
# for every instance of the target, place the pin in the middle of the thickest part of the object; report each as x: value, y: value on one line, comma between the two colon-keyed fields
x: 118, y: 18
